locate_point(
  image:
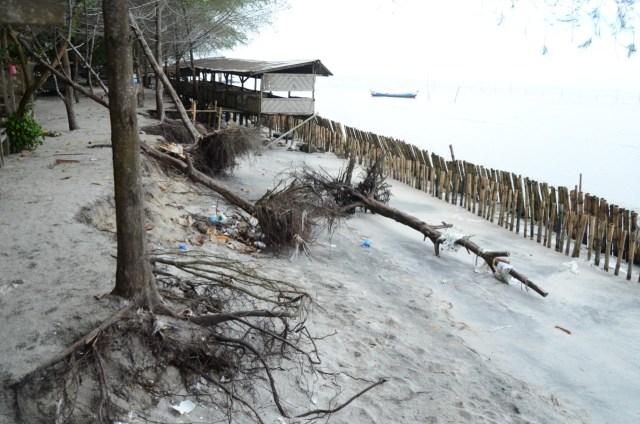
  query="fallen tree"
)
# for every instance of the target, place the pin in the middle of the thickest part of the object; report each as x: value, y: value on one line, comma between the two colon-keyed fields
x: 373, y: 194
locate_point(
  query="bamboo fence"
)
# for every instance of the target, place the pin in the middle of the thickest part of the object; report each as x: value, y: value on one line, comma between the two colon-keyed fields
x: 571, y: 222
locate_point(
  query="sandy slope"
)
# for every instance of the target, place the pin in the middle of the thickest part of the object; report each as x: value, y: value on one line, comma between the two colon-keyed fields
x: 454, y: 343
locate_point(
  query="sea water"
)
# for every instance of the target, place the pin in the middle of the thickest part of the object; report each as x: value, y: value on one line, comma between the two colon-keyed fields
x: 549, y: 134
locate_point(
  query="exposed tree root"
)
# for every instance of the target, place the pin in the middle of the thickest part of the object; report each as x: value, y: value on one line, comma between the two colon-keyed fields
x: 231, y: 343
x: 219, y: 151
x: 173, y: 130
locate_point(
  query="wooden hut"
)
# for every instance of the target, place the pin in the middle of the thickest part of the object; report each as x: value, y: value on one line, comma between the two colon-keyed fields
x: 252, y: 87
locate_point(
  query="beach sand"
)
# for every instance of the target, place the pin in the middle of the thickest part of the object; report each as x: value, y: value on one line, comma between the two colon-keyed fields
x: 455, y: 344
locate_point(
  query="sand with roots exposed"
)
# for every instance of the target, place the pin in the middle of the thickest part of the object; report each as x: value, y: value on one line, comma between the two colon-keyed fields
x: 454, y: 344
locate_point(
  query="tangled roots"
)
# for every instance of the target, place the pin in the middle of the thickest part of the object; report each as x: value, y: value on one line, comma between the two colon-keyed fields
x: 286, y: 214
x: 173, y: 131
x: 219, y: 151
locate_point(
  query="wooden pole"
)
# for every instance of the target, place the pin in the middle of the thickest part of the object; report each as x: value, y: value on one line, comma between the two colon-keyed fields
x: 621, y: 240
x: 633, y: 237
x: 607, y: 251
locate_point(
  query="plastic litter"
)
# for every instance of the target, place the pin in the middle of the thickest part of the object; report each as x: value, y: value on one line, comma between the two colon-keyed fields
x: 365, y: 243
x: 158, y: 325
x: 182, y: 247
x: 185, y: 407
x: 502, y: 272
x: 218, y: 217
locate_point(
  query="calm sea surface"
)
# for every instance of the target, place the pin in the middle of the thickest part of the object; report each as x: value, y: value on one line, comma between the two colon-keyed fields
x: 547, y: 134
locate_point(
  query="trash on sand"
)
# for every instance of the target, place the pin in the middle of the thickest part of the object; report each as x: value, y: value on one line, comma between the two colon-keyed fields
x: 219, y: 217
x: 158, y: 325
x: 185, y: 407
x: 182, y: 247
x: 365, y: 243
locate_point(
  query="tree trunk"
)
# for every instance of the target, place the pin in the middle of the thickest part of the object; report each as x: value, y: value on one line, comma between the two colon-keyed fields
x: 194, y: 75
x: 28, y: 88
x: 7, y: 83
x: 133, y: 275
x: 161, y: 76
x: 159, y: 87
x: 32, y: 87
x: 68, y: 94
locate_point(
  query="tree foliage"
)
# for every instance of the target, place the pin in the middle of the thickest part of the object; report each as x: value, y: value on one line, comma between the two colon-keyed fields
x: 589, y: 19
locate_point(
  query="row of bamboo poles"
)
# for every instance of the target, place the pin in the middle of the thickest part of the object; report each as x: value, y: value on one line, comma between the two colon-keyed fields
x: 570, y: 221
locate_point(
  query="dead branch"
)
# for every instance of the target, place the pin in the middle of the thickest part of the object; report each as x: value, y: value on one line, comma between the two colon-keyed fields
x: 220, y: 318
x: 319, y: 413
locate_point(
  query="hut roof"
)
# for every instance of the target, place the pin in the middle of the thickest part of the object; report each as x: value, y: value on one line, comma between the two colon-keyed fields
x: 257, y: 68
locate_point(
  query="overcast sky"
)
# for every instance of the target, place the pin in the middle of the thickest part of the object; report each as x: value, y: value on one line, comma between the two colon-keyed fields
x: 443, y: 40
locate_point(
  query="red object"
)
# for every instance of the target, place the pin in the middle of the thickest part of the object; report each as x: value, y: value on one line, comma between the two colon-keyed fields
x: 12, y: 69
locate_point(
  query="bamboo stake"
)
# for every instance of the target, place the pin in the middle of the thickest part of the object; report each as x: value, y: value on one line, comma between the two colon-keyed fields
x: 607, y: 252
x: 552, y: 222
x: 582, y: 225
x: 494, y: 201
x: 560, y: 229
x: 483, y: 191
x: 633, y: 237
x: 526, y: 207
x: 571, y: 216
x: 592, y: 236
x: 507, y: 209
x: 621, y: 240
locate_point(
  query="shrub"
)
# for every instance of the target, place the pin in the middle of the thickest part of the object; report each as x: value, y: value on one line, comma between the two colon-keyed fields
x: 24, y: 132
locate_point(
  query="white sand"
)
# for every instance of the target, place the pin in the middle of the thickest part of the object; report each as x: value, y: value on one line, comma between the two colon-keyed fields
x: 455, y: 344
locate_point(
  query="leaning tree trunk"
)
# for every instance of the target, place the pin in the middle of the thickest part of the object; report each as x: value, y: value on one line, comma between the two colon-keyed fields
x: 159, y: 86
x: 133, y: 273
x: 68, y: 94
x: 162, y: 77
x: 5, y: 80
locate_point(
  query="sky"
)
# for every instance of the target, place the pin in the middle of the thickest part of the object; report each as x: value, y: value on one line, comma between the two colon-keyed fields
x: 460, y: 41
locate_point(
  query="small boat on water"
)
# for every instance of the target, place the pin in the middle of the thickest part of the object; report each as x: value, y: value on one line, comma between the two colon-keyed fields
x: 400, y: 95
